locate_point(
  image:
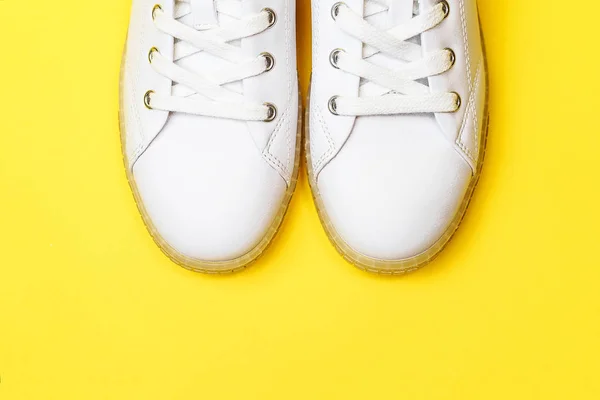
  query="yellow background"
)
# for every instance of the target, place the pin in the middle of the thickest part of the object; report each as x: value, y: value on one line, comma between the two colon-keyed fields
x: 91, y: 309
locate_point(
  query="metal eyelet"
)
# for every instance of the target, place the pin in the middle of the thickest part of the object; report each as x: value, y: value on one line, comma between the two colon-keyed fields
x: 156, y: 8
x: 332, y: 105
x: 335, y: 10
x: 458, y: 101
x: 452, y: 56
x: 445, y: 7
x: 151, y: 54
x: 272, y: 16
x: 269, y: 61
x: 334, y: 57
x: 272, y: 113
x: 147, y: 99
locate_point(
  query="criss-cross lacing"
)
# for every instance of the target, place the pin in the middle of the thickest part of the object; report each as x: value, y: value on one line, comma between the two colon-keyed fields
x: 406, y: 95
x: 214, y: 100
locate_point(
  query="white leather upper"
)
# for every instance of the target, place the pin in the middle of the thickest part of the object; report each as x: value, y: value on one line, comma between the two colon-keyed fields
x: 209, y: 192
x: 392, y: 185
x: 390, y: 195
x: 211, y: 186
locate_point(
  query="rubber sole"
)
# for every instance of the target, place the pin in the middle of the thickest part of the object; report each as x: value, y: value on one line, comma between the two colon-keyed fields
x: 211, y: 267
x: 393, y: 267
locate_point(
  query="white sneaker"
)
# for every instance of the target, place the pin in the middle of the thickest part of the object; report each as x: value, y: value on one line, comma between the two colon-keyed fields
x: 209, y: 122
x: 397, y: 125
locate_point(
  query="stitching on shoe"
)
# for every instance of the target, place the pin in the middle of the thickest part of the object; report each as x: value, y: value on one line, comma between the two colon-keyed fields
x: 288, y: 142
x: 475, y: 110
x: 278, y: 166
x: 315, y: 26
x: 138, y: 152
x: 471, y: 114
x: 267, y: 152
x: 459, y: 141
x: 466, y: 151
x: 466, y: 43
x: 276, y: 162
x: 289, y: 80
x: 134, y: 110
x: 142, y: 38
x: 316, y: 56
x: 133, y: 107
x: 272, y: 157
x: 331, y: 148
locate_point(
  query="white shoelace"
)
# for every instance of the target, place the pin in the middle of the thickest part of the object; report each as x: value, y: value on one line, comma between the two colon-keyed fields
x: 406, y: 95
x: 214, y: 100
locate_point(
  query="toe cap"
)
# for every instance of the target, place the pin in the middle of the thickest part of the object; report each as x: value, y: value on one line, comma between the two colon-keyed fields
x: 209, y: 195
x: 389, y: 194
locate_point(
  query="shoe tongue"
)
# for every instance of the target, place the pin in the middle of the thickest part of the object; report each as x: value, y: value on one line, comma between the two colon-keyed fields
x: 204, y: 14
x: 398, y: 12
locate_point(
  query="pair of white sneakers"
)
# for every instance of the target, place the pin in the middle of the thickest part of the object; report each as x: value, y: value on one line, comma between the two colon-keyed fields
x: 211, y: 125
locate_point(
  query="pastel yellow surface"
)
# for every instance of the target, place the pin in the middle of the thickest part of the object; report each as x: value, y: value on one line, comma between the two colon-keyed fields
x: 91, y: 309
